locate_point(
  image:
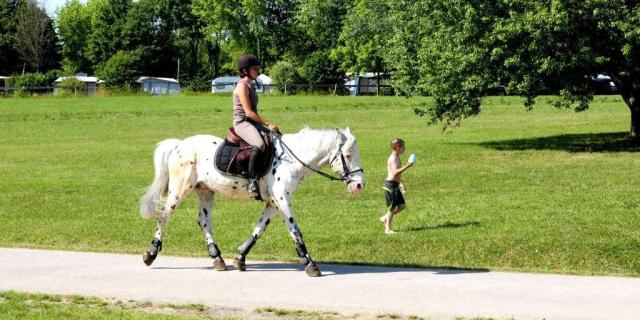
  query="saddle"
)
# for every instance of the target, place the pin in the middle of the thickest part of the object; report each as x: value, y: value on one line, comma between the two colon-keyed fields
x: 232, y: 157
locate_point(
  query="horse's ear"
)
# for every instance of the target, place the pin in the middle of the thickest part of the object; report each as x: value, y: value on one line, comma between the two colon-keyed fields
x: 350, y: 138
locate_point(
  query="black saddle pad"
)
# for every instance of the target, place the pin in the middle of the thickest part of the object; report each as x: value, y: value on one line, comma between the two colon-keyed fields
x: 233, y: 159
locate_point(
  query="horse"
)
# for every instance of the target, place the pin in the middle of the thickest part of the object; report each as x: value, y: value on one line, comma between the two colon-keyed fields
x: 185, y: 165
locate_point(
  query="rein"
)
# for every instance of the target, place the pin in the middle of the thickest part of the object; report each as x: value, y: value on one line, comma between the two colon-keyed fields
x: 345, y: 170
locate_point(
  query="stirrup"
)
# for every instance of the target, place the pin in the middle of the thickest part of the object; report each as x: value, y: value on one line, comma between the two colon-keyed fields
x: 253, y: 187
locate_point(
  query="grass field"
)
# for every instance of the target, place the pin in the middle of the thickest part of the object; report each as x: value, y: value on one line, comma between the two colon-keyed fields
x: 545, y: 190
x: 18, y: 305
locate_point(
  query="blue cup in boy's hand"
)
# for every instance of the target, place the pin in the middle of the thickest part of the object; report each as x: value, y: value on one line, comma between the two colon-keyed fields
x: 412, y: 158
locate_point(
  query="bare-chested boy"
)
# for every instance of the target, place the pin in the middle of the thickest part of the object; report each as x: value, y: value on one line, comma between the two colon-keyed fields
x: 393, y: 187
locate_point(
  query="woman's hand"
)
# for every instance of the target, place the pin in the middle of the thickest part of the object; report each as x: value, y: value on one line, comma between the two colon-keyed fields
x: 273, y: 127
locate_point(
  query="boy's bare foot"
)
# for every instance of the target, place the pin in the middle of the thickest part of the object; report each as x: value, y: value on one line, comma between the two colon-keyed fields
x: 387, y: 227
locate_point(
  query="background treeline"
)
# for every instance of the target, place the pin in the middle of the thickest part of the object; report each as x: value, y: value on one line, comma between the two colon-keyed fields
x: 118, y: 40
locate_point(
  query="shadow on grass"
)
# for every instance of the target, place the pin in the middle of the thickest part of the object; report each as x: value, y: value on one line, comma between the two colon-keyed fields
x: 583, y: 142
x: 446, y: 225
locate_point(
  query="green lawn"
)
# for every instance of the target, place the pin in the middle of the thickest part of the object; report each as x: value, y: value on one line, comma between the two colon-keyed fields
x: 19, y: 305
x: 16, y: 305
x: 545, y: 190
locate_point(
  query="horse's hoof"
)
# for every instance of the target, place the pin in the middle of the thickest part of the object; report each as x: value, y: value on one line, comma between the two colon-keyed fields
x: 148, y: 258
x: 312, y: 270
x: 239, y: 264
x: 219, y: 264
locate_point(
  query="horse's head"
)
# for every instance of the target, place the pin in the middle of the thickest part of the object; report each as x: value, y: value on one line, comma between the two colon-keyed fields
x: 345, y: 162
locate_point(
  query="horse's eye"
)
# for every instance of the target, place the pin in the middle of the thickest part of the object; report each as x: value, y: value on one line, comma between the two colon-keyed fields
x: 348, y: 157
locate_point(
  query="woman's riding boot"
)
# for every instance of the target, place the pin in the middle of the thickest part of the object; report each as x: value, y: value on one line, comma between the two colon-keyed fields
x: 253, y: 167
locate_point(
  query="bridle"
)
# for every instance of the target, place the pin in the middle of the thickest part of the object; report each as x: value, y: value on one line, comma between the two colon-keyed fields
x: 346, y: 174
x: 345, y: 171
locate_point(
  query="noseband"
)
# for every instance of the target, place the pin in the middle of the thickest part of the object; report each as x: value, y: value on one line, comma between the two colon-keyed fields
x: 345, y: 170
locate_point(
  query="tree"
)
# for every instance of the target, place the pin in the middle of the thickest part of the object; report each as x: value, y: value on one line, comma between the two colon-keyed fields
x: 9, y: 57
x: 466, y: 48
x: 36, y: 41
x: 263, y: 27
x: 74, y: 26
x: 108, y: 21
x: 364, y: 37
x: 320, y: 21
x: 148, y: 32
x: 186, y: 35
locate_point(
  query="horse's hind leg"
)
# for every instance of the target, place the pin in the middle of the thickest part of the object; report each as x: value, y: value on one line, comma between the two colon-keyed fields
x: 179, y: 186
x: 204, y: 221
x: 258, y: 230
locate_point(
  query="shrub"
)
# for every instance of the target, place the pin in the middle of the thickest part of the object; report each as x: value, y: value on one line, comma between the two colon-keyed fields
x: 30, y: 83
x: 70, y: 86
x: 284, y: 74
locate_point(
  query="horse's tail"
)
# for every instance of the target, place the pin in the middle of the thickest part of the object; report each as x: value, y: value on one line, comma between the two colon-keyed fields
x: 152, y: 200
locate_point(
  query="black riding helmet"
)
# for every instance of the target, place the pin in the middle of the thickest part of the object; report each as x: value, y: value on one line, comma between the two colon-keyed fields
x: 247, y: 61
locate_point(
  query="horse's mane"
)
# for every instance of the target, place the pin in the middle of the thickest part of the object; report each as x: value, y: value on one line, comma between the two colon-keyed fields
x: 327, y: 136
x: 307, y: 134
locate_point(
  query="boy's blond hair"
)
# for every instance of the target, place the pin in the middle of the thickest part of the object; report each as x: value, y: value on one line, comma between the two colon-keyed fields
x: 396, y: 143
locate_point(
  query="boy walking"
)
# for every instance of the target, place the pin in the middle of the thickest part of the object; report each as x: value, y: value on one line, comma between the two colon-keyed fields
x: 393, y: 187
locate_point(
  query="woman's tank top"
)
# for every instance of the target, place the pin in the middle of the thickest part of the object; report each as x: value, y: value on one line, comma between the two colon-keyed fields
x: 238, y: 111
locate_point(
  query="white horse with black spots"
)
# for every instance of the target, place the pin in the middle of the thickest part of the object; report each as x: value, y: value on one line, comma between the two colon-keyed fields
x: 184, y: 165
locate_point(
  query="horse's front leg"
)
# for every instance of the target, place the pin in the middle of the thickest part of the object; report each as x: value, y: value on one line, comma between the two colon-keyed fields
x: 310, y: 266
x: 258, y: 230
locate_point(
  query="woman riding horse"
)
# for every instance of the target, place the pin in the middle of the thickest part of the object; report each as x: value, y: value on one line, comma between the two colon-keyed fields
x: 246, y: 121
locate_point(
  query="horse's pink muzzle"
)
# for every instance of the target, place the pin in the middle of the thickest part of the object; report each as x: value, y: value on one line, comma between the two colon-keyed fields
x: 355, y: 187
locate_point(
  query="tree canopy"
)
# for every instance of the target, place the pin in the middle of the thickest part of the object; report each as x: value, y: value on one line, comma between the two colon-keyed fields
x: 460, y: 51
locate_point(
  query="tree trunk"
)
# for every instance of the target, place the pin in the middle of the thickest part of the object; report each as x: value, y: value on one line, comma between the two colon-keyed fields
x: 630, y: 92
x: 635, y: 119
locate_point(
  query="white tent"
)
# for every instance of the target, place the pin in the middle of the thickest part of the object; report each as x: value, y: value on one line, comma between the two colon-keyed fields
x: 365, y: 83
x: 264, y: 79
x: 159, y: 86
x: 3, y: 83
x: 228, y: 83
x: 224, y: 84
x: 89, y: 83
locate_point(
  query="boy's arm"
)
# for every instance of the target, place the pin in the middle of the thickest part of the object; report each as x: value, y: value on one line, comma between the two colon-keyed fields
x: 396, y: 171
